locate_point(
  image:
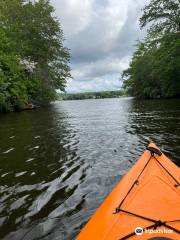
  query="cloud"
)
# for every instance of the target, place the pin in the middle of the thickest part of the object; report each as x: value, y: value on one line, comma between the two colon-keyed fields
x: 101, y: 35
x: 103, y: 67
x: 75, y: 15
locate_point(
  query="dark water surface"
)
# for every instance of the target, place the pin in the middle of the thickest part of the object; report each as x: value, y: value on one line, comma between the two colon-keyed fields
x: 57, y: 164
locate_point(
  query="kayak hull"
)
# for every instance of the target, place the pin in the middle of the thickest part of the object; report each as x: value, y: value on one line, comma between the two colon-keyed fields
x: 148, y: 195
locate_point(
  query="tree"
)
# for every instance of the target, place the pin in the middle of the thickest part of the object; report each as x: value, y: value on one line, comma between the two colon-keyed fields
x: 164, y: 16
x: 155, y: 67
x: 35, y: 37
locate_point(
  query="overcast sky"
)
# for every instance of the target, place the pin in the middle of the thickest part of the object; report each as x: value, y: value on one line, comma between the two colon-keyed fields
x: 101, y: 35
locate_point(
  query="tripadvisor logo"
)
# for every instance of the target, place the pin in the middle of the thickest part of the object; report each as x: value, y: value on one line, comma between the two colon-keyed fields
x: 139, y: 231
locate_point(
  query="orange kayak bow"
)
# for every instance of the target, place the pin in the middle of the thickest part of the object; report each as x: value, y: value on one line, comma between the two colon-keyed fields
x: 145, y: 204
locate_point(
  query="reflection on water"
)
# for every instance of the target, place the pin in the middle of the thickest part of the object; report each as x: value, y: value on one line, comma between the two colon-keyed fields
x: 158, y: 120
x: 58, y: 164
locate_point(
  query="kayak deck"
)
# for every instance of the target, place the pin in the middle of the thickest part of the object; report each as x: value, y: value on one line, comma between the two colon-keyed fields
x: 148, y: 197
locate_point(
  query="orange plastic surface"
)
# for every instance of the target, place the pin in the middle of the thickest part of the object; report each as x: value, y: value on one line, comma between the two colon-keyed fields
x: 155, y: 197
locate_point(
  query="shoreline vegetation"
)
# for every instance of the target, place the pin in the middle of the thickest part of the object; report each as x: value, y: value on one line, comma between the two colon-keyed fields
x: 92, y: 95
x: 154, y: 70
x: 33, y: 59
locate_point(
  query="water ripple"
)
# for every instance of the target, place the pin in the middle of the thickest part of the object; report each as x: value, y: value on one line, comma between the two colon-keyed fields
x: 59, y: 163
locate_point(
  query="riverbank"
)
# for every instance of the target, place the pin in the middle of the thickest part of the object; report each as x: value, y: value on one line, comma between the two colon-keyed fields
x: 92, y: 95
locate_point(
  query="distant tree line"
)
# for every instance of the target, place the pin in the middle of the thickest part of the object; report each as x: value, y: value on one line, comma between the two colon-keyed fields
x: 154, y: 71
x: 91, y: 95
x: 33, y: 59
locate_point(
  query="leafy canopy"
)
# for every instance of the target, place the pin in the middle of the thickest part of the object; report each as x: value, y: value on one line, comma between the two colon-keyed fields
x: 30, y: 35
x: 154, y: 70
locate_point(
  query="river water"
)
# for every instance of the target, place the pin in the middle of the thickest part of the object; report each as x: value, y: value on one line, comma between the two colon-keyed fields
x: 57, y: 164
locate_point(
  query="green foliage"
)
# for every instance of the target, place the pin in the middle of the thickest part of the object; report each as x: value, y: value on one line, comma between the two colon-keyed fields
x: 154, y: 71
x: 164, y: 14
x: 91, y: 95
x: 33, y: 61
x: 13, y: 94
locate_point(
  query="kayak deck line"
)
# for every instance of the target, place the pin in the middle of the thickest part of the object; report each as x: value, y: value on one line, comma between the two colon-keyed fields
x: 177, y: 183
x: 157, y: 223
x: 136, y: 182
x: 151, y: 170
x: 154, y: 226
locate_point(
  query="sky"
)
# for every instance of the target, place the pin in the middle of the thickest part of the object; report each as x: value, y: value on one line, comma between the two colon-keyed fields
x: 101, y: 36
